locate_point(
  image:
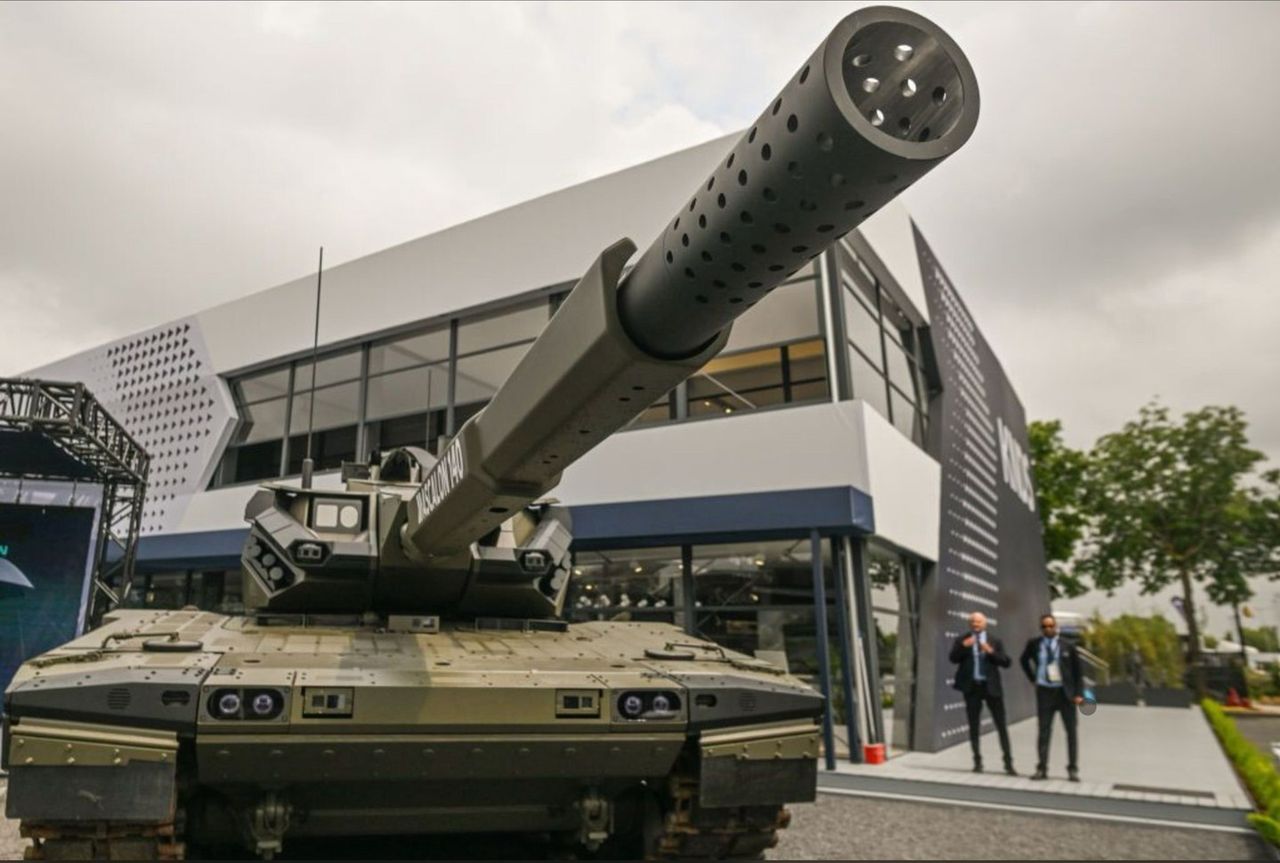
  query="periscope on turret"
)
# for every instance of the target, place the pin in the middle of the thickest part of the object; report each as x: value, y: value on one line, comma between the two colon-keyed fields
x: 404, y: 658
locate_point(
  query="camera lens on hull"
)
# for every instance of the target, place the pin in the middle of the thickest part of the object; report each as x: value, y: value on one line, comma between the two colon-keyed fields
x: 228, y: 704
x: 632, y: 706
x: 263, y: 704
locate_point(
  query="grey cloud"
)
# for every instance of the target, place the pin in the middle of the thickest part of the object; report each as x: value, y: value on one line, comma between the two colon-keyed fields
x: 1114, y: 223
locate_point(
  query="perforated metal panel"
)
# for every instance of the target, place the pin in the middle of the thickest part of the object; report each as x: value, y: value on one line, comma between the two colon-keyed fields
x: 160, y: 385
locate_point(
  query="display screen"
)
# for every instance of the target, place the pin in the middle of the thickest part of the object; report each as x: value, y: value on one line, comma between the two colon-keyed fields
x: 44, y: 567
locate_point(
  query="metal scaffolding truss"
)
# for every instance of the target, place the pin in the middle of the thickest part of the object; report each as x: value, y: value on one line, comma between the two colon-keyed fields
x: 59, y: 432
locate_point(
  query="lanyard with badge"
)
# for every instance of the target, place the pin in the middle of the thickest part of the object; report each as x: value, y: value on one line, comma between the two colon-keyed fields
x: 1052, y: 669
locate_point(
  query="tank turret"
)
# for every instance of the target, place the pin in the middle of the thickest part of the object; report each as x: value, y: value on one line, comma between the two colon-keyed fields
x: 883, y: 99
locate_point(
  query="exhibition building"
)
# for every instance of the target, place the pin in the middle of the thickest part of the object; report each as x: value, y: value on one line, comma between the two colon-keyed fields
x: 857, y: 414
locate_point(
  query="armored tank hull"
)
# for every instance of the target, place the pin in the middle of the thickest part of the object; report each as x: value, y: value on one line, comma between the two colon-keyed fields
x: 167, y: 732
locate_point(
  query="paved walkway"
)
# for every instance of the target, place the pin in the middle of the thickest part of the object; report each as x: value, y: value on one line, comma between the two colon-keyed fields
x: 1151, y: 763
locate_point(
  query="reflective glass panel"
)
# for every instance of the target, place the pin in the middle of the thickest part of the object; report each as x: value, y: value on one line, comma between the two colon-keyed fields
x: 657, y: 413
x: 503, y: 328
x: 625, y: 584
x: 407, y: 391
x: 335, y: 406
x: 755, y: 596
x: 901, y: 372
x: 743, y: 381
x: 330, y: 370
x: 262, y: 421
x: 904, y: 414
x: 267, y: 385
x: 329, y: 449
x: 253, y: 462
x: 480, y: 375
x: 421, y: 430
x: 789, y: 313
x: 860, y: 323
x: 808, y: 367
x: 868, y: 384
x: 409, y: 351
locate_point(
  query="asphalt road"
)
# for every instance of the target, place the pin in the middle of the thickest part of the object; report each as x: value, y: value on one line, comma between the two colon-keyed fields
x: 1262, y: 729
x: 861, y: 828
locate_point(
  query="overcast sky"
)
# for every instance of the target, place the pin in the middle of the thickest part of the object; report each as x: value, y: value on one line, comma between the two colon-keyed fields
x: 1114, y: 223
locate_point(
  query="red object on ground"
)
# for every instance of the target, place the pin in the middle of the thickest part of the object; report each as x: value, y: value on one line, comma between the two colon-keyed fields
x: 873, y: 753
x: 1233, y: 698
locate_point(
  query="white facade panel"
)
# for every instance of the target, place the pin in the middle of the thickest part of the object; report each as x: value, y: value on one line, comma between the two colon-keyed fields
x: 816, y: 446
x: 905, y: 484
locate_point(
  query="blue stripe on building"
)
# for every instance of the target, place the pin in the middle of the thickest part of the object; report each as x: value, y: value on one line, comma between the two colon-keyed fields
x: 841, y: 510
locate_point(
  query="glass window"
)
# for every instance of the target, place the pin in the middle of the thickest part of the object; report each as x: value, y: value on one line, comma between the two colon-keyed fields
x: 661, y: 411
x: 867, y: 382
x: 625, y: 584
x: 262, y: 421
x: 407, y: 391
x: 329, y: 370
x: 755, y: 596
x: 267, y: 385
x: 861, y: 327
x: 415, y: 350
x: 503, y: 328
x: 329, y: 449
x: 742, y: 381
x: 904, y: 413
x: 252, y: 462
x: 901, y: 369
x: 807, y: 367
x: 480, y: 375
x: 789, y: 313
x: 421, y: 430
x: 335, y: 406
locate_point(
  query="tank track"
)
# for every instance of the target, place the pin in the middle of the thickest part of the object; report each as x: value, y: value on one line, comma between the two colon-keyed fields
x: 102, y: 840
x: 738, y: 832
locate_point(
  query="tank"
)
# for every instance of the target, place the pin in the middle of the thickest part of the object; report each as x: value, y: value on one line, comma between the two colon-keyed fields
x: 403, y: 668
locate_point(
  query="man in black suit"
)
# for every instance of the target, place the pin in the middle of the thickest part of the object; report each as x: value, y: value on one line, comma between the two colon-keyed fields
x: 1052, y: 664
x: 979, y: 657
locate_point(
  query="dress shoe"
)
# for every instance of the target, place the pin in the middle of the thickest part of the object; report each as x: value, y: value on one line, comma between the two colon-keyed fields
x: 1073, y: 775
x: 977, y: 767
x: 1040, y: 774
x: 1008, y: 768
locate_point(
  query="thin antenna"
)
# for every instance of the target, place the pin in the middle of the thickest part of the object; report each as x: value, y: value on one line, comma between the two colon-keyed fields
x: 308, y: 466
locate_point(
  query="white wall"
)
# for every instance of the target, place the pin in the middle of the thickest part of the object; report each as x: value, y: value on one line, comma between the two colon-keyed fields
x: 815, y: 446
x: 905, y: 485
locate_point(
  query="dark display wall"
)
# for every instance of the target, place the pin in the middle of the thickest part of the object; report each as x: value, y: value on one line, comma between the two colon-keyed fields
x: 44, y: 556
x: 991, y: 558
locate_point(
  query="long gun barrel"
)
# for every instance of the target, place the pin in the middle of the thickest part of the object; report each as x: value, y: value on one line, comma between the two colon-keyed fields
x: 885, y: 97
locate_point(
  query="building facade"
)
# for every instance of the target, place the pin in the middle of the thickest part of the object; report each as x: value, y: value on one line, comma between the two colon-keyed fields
x: 856, y: 415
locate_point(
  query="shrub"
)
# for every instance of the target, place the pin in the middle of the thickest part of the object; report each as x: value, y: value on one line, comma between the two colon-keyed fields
x: 1255, y: 768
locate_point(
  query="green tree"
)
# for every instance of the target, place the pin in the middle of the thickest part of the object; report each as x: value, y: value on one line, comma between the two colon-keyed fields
x: 1058, y: 472
x: 1180, y: 502
x: 1264, y: 638
x: 1128, y: 640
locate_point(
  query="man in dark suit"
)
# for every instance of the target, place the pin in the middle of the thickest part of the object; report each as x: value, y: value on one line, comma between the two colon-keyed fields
x: 979, y: 656
x: 1052, y: 664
